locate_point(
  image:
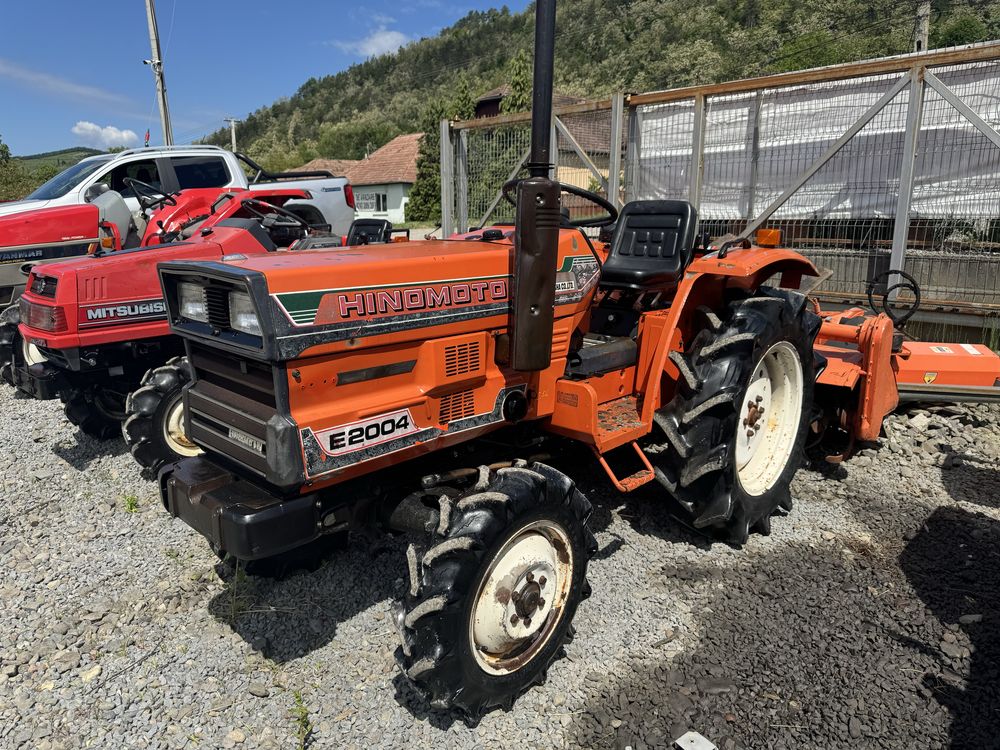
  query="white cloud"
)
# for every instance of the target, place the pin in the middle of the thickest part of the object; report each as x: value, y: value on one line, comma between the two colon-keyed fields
x: 381, y: 41
x: 56, y: 85
x: 94, y: 135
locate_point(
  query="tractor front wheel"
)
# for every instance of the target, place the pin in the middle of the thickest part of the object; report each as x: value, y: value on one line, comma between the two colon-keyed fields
x: 736, y: 426
x: 97, y: 411
x: 10, y: 342
x: 492, y: 600
x: 154, y: 416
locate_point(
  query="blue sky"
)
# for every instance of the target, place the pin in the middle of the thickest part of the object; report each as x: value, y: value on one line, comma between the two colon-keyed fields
x: 71, y: 72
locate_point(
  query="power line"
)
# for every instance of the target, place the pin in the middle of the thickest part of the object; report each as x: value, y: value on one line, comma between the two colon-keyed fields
x: 891, y: 19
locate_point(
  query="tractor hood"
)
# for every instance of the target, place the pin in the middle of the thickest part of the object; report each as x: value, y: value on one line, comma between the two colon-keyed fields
x: 324, y: 300
x: 26, y: 234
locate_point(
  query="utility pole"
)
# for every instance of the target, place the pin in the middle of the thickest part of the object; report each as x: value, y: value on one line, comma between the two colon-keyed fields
x: 232, y: 130
x: 922, y: 27
x: 156, y: 63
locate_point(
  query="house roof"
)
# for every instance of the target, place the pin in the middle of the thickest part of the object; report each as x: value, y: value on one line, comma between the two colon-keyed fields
x: 395, y: 162
x: 338, y: 167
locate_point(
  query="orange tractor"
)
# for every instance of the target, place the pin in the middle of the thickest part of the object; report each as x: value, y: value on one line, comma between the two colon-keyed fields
x: 411, y: 386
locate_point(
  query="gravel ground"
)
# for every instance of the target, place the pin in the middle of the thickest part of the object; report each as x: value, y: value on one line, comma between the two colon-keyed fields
x: 867, y: 619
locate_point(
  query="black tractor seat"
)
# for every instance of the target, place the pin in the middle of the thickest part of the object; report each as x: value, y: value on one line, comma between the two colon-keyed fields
x: 361, y: 232
x: 652, y: 245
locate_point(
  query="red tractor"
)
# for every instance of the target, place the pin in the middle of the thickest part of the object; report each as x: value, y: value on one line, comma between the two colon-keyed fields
x: 93, y: 330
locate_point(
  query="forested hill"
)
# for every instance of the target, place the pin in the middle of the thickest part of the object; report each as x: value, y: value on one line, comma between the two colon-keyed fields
x: 602, y: 46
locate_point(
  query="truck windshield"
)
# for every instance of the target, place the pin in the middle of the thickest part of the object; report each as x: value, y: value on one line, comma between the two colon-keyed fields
x: 68, y: 179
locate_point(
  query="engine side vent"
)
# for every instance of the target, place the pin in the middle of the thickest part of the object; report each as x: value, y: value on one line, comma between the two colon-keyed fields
x: 460, y: 359
x: 95, y: 288
x: 457, y: 406
x: 217, y: 300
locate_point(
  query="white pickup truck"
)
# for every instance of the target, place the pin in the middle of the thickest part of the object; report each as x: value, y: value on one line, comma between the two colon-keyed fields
x: 174, y: 168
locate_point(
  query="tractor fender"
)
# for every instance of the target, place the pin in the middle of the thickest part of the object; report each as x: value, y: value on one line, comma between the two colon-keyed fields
x: 703, y: 289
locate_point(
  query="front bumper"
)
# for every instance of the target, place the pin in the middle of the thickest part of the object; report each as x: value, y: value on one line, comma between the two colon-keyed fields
x: 246, y: 521
x: 42, y: 381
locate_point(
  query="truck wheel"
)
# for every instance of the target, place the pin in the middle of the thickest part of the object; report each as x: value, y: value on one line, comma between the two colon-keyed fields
x: 736, y: 427
x: 154, y: 421
x: 96, y: 411
x: 492, y: 601
x: 10, y: 341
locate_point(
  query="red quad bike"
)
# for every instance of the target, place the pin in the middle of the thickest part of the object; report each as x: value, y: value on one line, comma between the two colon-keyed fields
x: 93, y: 330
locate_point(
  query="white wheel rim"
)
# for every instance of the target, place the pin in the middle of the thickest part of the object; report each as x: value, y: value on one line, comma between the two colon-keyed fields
x: 769, y: 419
x: 173, y: 430
x: 522, y: 598
x: 31, y: 353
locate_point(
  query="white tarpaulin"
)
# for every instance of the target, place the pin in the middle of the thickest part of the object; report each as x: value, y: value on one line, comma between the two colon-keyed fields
x: 957, y: 168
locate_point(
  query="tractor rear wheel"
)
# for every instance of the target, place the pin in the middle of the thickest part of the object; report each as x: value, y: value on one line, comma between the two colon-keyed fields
x: 492, y: 600
x: 736, y: 426
x: 97, y: 411
x: 154, y: 416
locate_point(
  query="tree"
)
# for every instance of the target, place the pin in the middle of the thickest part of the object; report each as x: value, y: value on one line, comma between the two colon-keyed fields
x: 15, y: 181
x: 425, y: 195
x: 519, y: 76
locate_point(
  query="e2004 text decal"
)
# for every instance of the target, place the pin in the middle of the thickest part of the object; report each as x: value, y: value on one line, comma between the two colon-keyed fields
x: 366, y: 432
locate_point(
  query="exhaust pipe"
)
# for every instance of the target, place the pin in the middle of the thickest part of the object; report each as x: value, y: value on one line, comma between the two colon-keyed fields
x: 536, y: 234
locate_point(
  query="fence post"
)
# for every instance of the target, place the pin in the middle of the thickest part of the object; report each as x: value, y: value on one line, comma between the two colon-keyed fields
x: 615, y: 150
x: 462, y: 171
x: 697, y: 151
x: 447, y: 181
x: 901, y: 229
x: 632, y: 151
x: 554, y: 140
x: 753, y: 121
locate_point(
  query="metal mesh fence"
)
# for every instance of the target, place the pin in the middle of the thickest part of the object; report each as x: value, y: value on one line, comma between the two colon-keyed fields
x: 825, y: 159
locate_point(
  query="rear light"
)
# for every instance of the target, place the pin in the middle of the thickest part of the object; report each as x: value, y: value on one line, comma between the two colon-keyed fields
x: 42, y: 317
x: 43, y: 286
x: 349, y: 195
x: 768, y: 237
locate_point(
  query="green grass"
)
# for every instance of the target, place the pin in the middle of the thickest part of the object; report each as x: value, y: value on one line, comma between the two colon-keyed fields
x: 131, y: 503
x: 57, y: 160
x: 303, y: 725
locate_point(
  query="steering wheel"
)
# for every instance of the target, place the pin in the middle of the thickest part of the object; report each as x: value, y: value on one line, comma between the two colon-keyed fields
x: 148, y: 195
x: 908, y: 282
x: 264, y: 211
x: 601, y: 221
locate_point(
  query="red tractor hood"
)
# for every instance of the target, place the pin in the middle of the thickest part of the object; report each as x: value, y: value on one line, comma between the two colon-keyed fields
x: 103, y: 302
x: 49, y: 226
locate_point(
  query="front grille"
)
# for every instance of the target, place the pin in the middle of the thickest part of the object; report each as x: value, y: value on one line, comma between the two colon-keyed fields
x: 44, y: 286
x: 230, y: 405
x: 461, y: 358
x: 457, y: 406
x: 217, y: 301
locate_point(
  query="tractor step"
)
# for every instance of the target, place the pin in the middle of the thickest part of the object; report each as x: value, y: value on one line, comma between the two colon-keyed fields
x: 619, y: 422
x: 633, y: 481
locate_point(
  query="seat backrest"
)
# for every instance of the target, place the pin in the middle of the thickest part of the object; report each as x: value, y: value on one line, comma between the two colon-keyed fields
x: 652, y: 245
x: 113, y: 209
x: 369, y: 232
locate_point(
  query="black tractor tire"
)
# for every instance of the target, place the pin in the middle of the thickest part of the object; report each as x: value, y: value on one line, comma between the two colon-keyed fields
x: 84, y: 409
x: 147, y: 411
x: 438, y: 654
x: 697, y: 462
x: 10, y: 342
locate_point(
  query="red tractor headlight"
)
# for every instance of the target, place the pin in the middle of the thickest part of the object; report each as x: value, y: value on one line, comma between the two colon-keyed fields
x: 42, y: 317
